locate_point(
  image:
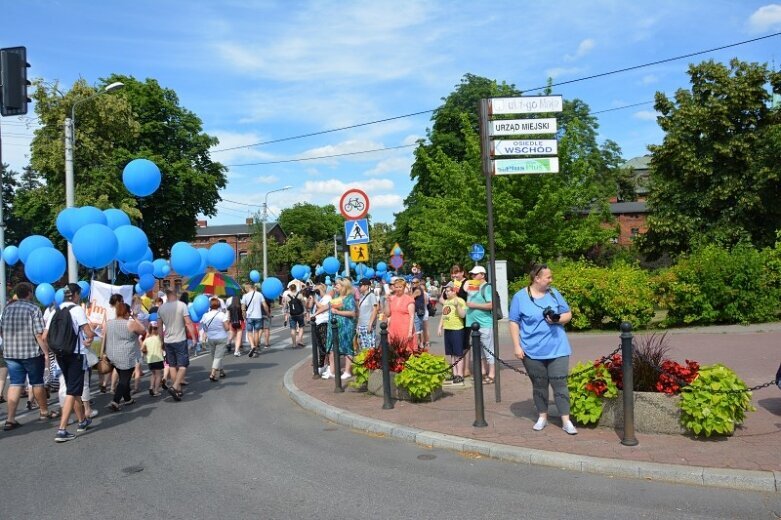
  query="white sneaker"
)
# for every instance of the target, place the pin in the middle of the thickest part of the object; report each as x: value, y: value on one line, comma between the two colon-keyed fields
x: 93, y: 413
x: 346, y: 375
x: 237, y: 354
x: 570, y: 428
x: 327, y: 374
x: 541, y: 423
x: 320, y: 370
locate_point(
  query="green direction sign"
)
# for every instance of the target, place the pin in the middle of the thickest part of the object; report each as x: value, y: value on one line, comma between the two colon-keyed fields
x: 526, y: 166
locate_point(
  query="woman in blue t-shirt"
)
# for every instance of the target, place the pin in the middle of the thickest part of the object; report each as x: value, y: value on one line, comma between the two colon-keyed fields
x: 538, y: 314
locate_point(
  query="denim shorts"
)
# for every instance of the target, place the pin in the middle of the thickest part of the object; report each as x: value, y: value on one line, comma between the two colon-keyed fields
x: 418, y: 323
x: 30, y: 369
x: 296, y: 321
x: 254, y: 324
x: 176, y: 354
x: 72, y: 366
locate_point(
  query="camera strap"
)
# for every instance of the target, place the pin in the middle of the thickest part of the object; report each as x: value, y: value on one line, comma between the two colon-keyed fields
x: 531, y: 298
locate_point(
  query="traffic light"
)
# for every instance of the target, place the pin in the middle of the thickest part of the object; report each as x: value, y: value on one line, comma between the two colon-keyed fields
x: 13, y: 81
x: 339, y: 241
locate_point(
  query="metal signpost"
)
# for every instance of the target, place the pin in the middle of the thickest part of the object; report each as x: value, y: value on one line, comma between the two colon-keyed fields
x: 527, y: 165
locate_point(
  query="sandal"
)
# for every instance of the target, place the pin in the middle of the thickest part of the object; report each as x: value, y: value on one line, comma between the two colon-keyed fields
x: 115, y: 407
x: 128, y: 403
x: 212, y: 379
x: 222, y: 373
x: 51, y: 414
x: 8, y: 426
x: 488, y: 381
x: 103, y: 389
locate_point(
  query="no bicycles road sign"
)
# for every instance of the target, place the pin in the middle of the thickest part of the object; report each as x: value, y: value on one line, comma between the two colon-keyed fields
x: 354, y: 204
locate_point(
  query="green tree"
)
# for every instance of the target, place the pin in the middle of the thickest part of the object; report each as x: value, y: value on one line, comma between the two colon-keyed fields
x: 715, y: 178
x: 311, y: 222
x: 142, y: 120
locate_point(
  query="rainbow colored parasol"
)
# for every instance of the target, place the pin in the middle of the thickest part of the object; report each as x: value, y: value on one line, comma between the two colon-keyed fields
x: 214, y: 283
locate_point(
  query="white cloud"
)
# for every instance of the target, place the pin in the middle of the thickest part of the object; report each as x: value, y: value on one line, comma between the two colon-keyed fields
x: 236, y: 146
x: 399, y: 165
x: 387, y: 201
x: 557, y: 72
x: 267, y: 179
x: 584, y: 48
x: 336, y: 186
x: 765, y: 18
x: 646, y: 115
x: 648, y: 79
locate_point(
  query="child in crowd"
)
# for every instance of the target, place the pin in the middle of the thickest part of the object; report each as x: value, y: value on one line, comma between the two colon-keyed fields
x: 153, y: 350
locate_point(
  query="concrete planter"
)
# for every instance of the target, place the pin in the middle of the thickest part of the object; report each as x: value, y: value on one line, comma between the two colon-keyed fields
x: 654, y: 413
x: 375, y: 388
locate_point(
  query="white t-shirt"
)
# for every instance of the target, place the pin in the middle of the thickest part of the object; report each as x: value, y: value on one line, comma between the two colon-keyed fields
x: 253, y: 301
x: 323, y: 316
x: 79, y: 318
x: 212, y: 324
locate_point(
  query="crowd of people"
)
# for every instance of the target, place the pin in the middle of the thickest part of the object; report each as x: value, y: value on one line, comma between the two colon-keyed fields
x: 161, y: 334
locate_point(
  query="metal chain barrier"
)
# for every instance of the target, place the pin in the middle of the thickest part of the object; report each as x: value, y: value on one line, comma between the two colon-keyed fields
x: 514, y: 368
x: 683, y: 383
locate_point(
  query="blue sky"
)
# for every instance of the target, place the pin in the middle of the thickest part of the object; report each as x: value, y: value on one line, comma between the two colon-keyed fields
x: 259, y: 71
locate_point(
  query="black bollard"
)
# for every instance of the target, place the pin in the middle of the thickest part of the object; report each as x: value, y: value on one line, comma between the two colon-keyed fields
x: 387, y: 402
x: 315, y: 356
x: 337, y: 368
x: 477, y: 377
x: 629, y: 392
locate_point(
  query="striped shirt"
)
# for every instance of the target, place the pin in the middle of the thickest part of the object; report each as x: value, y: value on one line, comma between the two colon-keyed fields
x: 21, y: 321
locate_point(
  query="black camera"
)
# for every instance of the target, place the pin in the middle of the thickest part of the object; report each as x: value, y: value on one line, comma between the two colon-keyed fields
x: 548, y: 312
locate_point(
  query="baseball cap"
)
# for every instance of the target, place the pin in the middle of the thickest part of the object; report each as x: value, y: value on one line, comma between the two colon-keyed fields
x: 477, y: 269
x: 365, y: 281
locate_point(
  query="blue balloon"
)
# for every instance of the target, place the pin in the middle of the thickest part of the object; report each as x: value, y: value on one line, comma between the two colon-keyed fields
x: 85, y: 288
x: 319, y: 271
x: 298, y: 272
x: 137, y: 288
x: 87, y: 215
x: 221, y: 256
x: 157, y: 266
x: 194, y: 314
x: 271, y: 288
x: 153, y: 316
x: 44, y: 265
x: 45, y: 294
x: 59, y: 296
x: 166, y: 270
x: 331, y: 265
x: 65, y: 222
x: 254, y: 275
x: 95, y: 245
x: 141, y: 177
x: 132, y: 243
x: 185, y: 259
x: 146, y: 282
x: 146, y: 267
x: 30, y: 244
x: 132, y: 267
x: 382, y: 266
x: 360, y: 269
x: 116, y: 218
x: 11, y: 255
x: 201, y: 304
x: 369, y: 272
x: 388, y: 277
x: 204, y: 259
x: 352, y: 264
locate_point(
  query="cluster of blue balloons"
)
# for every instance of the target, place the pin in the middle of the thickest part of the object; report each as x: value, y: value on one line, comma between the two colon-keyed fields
x: 189, y: 261
x: 46, y: 294
x: 331, y: 265
x: 42, y: 263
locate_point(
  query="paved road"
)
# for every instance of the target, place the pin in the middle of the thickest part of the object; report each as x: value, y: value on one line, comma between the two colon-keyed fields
x: 241, y: 449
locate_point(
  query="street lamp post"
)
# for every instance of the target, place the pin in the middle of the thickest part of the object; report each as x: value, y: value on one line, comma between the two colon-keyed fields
x: 70, y: 131
x: 265, y: 218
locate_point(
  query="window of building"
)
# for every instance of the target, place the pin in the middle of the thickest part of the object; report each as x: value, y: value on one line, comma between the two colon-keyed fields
x: 178, y: 285
x: 635, y: 231
x: 166, y: 284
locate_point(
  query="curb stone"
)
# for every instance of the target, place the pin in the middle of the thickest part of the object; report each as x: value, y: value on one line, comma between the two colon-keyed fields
x: 744, y: 480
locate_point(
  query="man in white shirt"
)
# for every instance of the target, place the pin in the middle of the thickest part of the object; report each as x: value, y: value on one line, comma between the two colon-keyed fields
x: 73, y: 366
x: 254, y: 304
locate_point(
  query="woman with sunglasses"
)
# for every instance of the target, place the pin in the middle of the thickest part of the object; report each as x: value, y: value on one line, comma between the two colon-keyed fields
x: 538, y: 314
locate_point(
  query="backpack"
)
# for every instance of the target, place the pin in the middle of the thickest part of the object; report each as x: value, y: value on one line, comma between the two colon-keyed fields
x: 62, y: 339
x: 495, y: 298
x: 294, y: 306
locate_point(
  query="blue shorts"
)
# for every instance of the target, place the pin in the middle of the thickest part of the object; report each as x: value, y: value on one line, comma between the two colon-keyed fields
x: 30, y: 369
x: 296, y: 321
x: 176, y: 354
x: 254, y: 324
x: 72, y: 367
x: 418, y: 323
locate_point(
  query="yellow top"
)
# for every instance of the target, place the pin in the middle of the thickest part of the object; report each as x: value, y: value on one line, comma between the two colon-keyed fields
x: 450, y: 318
x: 154, y: 349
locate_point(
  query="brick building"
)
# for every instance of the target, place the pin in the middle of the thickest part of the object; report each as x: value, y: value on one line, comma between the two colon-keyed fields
x: 632, y: 215
x: 239, y: 236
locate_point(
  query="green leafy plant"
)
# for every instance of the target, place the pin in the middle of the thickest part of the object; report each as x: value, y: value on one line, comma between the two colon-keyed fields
x: 715, y: 402
x: 360, y: 372
x: 422, y: 375
x: 589, y: 384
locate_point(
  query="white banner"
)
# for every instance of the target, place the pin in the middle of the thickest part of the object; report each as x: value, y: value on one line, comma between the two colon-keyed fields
x: 99, y: 294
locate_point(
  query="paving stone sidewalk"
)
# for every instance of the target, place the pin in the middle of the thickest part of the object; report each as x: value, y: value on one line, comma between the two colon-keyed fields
x: 753, y: 352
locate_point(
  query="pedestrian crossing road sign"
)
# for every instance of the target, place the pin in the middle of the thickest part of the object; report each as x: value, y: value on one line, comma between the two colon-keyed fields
x: 356, y: 231
x: 359, y: 253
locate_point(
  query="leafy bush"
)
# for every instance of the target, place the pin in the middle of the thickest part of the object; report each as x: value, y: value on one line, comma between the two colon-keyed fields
x: 715, y: 402
x: 714, y: 285
x: 588, y: 384
x: 398, y: 353
x: 360, y: 372
x: 422, y: 375
x: 603, y: 297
